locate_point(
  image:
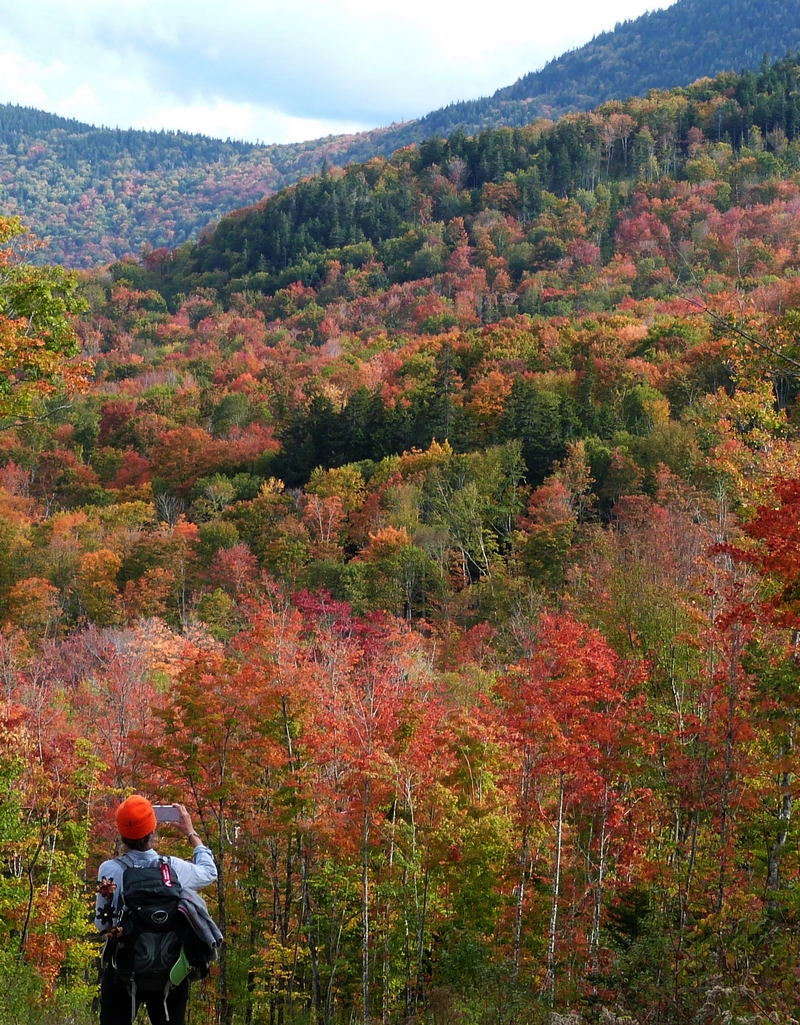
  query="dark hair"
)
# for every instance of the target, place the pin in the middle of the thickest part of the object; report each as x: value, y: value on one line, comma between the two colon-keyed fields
x: 142, y: 844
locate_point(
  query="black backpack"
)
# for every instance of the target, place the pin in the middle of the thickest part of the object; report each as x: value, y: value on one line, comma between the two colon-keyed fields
x: 149, y: 955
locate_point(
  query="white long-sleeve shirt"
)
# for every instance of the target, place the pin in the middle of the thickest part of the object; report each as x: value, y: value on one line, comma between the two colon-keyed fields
x: 192, y: 875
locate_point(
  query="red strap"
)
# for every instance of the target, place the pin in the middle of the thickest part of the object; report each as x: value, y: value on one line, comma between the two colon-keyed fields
x: 166, y: 874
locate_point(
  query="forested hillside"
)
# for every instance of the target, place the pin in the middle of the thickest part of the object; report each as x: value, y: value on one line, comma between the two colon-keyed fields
x: 688, y: 40
x: 99, y: 193
x: 405, y: 217
x: 433, y: 530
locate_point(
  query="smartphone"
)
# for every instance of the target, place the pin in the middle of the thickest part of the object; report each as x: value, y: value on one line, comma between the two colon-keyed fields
x: 166, y: 813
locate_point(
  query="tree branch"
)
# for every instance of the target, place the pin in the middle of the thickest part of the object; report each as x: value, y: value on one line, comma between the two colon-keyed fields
x: 721, y: 321
x: 23, y: 420
x: 717, y: 319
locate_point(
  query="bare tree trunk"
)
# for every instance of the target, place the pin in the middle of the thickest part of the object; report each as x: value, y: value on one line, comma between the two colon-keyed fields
x: 524, y: 857
x: 387, y: 950
x: 727, y: 779
x: 288, y: 893
x: 300, y: 920
x: 406, y: 942
x: 785, y: 807
x: 224, y: 1010
x: 520, y: 903
x: 365, y: 909
x: 312, y: 941
x: 421, y: 918
x: 705, y: 711
x: 598, y: 890
x: 550, y: 979
x: 334, y: 949
x: 254, y: 934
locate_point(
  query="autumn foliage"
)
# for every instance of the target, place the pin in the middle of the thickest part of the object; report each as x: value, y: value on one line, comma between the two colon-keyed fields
x: 457, y: 595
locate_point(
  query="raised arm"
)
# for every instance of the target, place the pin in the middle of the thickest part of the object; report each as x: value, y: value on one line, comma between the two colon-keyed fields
x: 202, y: 869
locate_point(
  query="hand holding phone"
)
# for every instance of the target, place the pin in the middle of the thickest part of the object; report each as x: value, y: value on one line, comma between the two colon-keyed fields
x: 167, y: 813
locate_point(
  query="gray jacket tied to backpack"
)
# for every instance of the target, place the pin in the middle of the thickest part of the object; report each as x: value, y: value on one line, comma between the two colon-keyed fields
x: 195, y: 910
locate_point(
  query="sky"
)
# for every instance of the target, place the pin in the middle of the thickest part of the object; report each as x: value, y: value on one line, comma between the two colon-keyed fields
x: 280, y: 70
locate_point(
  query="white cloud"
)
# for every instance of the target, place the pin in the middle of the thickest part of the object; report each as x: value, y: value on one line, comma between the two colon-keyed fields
x: 274, y: 70
x: 222, y: 119
x: 19, y: 80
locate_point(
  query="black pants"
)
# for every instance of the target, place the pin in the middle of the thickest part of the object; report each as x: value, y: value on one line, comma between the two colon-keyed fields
x: 115, y: 1002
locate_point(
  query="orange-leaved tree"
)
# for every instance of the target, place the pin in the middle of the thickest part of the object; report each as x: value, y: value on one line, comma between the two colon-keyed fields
x: 571, y: 715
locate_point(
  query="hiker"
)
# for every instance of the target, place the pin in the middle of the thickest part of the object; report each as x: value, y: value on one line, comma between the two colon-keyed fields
x: 120, y: 997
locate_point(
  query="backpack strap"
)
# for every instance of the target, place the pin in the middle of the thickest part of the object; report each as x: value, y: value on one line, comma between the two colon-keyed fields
x: 116, y: 898
x: 131, y: 989
x: 167, y: 989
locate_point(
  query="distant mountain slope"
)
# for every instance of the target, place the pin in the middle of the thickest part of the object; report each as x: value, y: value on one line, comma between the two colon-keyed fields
x: 98, y: 193
x: 693, y: 38
x: 407, y: 218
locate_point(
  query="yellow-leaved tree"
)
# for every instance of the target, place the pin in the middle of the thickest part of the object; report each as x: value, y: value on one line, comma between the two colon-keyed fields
x: 39, y: 347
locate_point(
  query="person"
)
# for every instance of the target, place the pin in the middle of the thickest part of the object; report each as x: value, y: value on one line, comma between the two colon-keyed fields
x: 136, y: 822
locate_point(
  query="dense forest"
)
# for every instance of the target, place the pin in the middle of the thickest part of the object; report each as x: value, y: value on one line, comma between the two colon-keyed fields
x: 702, y: 39
x: 405, y: 217
x: 97, y: 194
x: 433, y: 529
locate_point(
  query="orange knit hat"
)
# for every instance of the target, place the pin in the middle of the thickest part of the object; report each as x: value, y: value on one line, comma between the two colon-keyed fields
x: 135, y: 818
